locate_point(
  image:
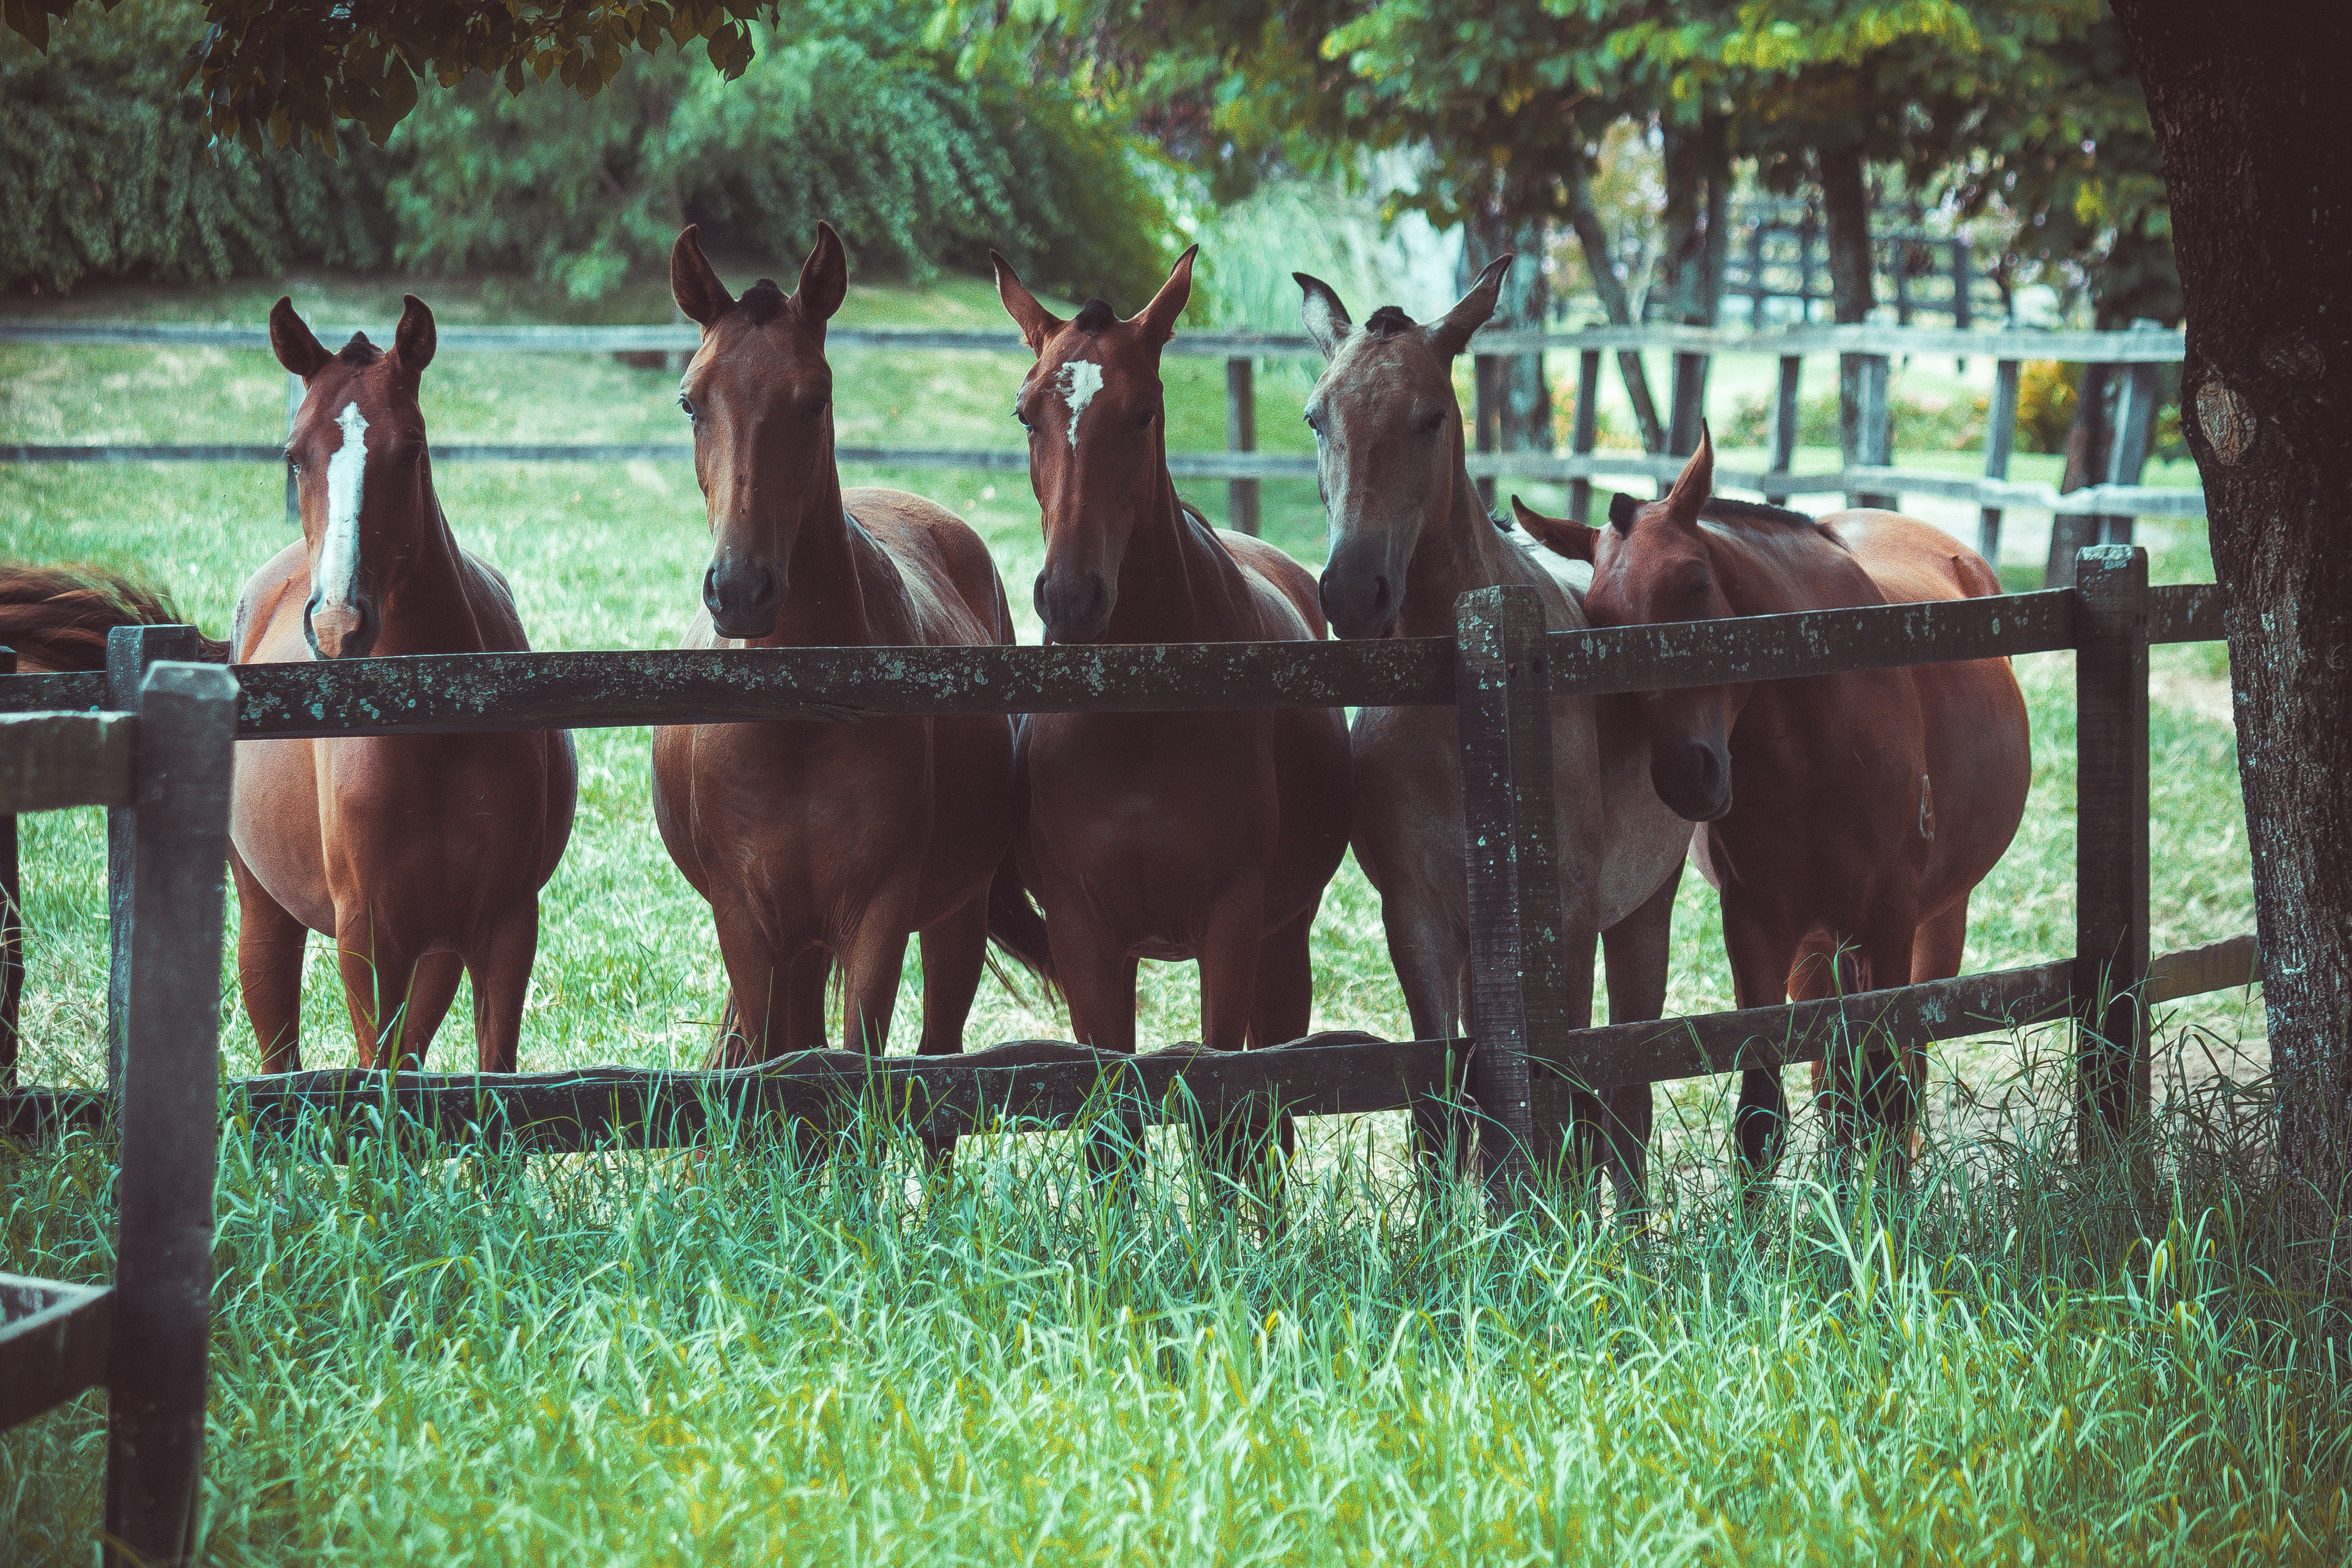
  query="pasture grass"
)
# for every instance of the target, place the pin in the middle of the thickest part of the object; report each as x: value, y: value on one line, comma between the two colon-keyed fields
x: 717, y: 1356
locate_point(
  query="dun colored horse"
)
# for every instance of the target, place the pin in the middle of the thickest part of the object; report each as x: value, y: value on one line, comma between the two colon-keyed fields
x: 1164, y: 836
x: 815, y: 839
x: 421, y: 855
x: 1408, y: 538
x: 1845, y: 818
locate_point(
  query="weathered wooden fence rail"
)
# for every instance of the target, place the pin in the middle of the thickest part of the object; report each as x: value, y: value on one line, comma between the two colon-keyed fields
x: 1868, y: 475
x: 1500, y: 667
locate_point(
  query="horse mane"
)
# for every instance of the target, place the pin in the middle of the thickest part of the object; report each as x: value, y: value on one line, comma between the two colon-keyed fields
x: 1723, y: 510
x: 1388, y: 321
x: 57, y: 617
x: 1094, y: 316
x: 762, y: 302
x: 359, y: 352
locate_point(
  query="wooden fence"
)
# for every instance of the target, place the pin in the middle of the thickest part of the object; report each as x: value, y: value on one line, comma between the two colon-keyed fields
x: 1499, y: 669
x: 1869, y: 477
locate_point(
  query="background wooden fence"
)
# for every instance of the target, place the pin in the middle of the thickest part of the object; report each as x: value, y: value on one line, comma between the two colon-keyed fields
x: 1500, y: 668
x: 1868, y: 477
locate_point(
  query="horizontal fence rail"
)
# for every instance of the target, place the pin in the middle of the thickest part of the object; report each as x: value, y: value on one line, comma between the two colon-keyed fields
x: 453, y: 693
x: 1874, y: 479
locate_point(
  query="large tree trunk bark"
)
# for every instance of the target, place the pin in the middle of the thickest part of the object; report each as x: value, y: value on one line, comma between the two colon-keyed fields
x: 1522, y: 399
x: 1845, y: 201
x: 1594, y: 238
x: 2248, y: 111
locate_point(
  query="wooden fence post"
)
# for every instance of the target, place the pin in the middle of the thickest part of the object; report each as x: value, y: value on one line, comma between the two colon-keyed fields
x: 1241, y: 436
x: 2134, y: 430
x: 170, y: 1113
x: 128, y: 651
x: 1689, y: 405
x: 1870, y: 418
x: 12, y: 931
x: 1586, y: 433
x: 2111, y: 938
x: 2001, y: 439
x: 1517, y: 989
x: 1963, y: 307
x: 1785, y: 421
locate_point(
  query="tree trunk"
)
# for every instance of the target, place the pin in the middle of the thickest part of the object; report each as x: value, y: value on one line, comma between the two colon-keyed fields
x: 1845, y: 201
x: 1697, y: 170
x: 1611, y: 288
x: 1522, y: 397
x: 2248, y: 113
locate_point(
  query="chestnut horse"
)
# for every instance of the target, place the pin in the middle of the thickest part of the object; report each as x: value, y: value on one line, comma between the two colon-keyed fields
x: 420, y: 855
x: 815, y: 839
x: 1845, y: 818
x: 1408, y: 537
x: 1167, y: 835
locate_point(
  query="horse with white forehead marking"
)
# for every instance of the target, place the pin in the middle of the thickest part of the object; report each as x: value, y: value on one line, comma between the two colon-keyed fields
x: 422, y: 856
x: 1167, y: 835
x: 815, y: 840
x: 1408, y: 538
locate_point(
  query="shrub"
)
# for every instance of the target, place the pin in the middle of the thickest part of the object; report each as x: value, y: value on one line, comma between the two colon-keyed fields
x: 104, y: 170
x: 2046, y: 392
x: 1953, y: 424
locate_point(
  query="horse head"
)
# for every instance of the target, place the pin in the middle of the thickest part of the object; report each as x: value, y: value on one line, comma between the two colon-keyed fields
x: 1093, y: 410
x: 362, y: 472
x: 1388, y: 441
x: 1653, y: 562
x: 760, y: 395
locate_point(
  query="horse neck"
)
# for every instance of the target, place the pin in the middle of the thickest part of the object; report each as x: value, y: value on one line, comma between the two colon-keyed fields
x: 824, y: 594
x: 1176, y: 582
x: 1459, y: 550
x: 1784, y: 571
x: 427, y: 609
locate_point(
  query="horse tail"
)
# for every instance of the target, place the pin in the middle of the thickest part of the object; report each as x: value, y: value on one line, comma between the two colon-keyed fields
x: 57, y: 617
x: 1016, y: 925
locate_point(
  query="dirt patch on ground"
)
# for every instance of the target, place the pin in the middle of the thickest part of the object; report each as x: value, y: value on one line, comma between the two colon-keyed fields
x: 2207, y: 696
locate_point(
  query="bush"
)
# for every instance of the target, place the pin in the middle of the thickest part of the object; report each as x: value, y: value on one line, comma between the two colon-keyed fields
x: 2046, y: 394
x: 841, y: 115
x: 105, y: 172
x: 1954, y: 424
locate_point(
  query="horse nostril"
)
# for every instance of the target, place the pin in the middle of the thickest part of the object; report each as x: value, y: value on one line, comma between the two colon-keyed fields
x: 1381, y: 594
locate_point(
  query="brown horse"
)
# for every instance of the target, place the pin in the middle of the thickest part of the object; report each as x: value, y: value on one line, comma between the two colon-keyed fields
x: 814, y: 839
x: 1165, y: 836
x: 1845, y: 818
x: 421, y: 855
x: 1408, y: 538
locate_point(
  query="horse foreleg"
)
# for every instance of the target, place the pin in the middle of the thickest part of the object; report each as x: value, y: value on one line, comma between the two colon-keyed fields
x: 268, y: 970
x: 432, y: 987
x: 1872, y: 1089
x: 1284, y: 1010
x: 1638, y: 949
x: 766, y: 987
x: 955, y: 951
x: 1760, y: 952
x: 1427, y: 954
x: 1098, y: 982
x: 502, y: 971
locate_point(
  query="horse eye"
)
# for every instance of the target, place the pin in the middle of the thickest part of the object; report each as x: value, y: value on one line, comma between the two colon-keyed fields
x: 1022, y: 414
x: 682, y: 403
x: 1436, y: 422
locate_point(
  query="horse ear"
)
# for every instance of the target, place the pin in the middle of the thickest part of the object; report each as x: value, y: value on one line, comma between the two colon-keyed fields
x: 413, y: 340
x: 1159, y: 318
x: 290, y: 338
x: 694, y: 283
x: 1556, y: 535
x: 1036, y: 322
x: 1697, y: 482
x: 1451, y: 332
x: 825, y: 275
x: 1622, y: 509
x: 1327, y: 319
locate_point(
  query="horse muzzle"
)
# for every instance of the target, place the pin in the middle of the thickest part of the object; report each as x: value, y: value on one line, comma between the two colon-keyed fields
x: 345, y: 629
x: 744, y: 597
x: 1693, y: 778
x: 1075, y: 605
x: 1359, y: 598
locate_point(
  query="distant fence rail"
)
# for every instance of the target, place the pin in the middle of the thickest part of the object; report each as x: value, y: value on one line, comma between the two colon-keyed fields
x: 1869, y: 477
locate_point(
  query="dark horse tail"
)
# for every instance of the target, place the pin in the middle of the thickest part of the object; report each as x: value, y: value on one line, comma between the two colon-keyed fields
x: 57, y: 617
x: 1016, y: 925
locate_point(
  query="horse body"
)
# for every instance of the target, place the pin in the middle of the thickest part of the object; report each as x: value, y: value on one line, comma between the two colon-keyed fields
x: 813, y: 840
x: 422, y: 856
x: 1167, y: 835
x: 1409, y: 537
x: 1845, y: 818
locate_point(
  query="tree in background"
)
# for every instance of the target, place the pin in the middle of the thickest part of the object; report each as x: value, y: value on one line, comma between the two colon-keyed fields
x: 2248, y: 119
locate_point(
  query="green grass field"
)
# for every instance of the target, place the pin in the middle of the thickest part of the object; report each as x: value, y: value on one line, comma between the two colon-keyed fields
x: 674, y: 1359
